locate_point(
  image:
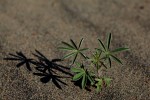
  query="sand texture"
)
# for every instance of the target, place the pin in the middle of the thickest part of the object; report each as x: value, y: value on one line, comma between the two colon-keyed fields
x: 29, y: 25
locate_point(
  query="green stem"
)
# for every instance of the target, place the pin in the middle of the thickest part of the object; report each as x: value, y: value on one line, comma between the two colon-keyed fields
x: 98, y: 68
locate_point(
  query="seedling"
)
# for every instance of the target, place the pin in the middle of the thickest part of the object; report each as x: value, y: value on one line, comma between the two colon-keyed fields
x: 100, y: 58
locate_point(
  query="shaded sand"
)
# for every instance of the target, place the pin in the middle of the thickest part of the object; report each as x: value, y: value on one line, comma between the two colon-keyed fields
x: 26, y: 25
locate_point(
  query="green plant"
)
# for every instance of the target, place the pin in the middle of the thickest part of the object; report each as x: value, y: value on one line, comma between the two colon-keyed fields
x: 102, y: 82
x: 73, y: 49
x: 107, y: 53
x: 101, y: 57
x: 82, y: 73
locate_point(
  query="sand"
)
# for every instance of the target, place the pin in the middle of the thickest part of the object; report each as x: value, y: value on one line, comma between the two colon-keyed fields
x: 26, y: 25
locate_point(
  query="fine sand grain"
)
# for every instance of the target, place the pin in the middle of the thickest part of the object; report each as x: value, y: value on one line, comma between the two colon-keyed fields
x: 26, y: 25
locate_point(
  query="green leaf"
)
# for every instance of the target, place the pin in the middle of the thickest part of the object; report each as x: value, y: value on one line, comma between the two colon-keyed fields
x: 99, y: 84
x: 116, y: 59
x: 75, y: 58
x: 97, y: 79
x: 107, y: 81
x: 68, y: 45
x: 77, y: 70
x: 80, y: 43
x: 102, y: 45
x: 90, y: 79
x: 64, y: 48
x: 98, y: 87
x: 104, y: 65
x: 69, y: 55
x: 120, y: 49
x: 84, y: 81
x: 75, y: 51
x: 78, y: 76
x: 73, y: 44
x: 78, y: 64
x: 108, y: 40
x: 83, y: 55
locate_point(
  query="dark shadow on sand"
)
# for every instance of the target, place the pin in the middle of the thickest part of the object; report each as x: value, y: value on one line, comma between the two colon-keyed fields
x: 21, y: 58
x: 45, y: 68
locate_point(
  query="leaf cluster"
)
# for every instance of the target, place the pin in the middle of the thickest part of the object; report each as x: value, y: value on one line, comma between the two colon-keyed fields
x: 82, y: 73
x: 108, y: 55
x: 101, y: 57
x: 73, y: 49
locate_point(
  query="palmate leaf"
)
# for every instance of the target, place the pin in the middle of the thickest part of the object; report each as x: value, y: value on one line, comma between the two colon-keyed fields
x: 74, y: 49
x: 79, y: 73
x: 108, y: 40
x: 119, y: 50
x: 107, y: 54
x: 83, y: 74
x: 97, y: 60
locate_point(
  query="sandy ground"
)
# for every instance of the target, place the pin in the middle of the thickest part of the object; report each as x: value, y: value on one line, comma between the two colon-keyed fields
x: 26, y: 25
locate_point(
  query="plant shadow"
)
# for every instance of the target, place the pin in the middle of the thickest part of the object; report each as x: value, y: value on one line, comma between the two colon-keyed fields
x: 78, y: 83
x: 47, y: 69
x: 21, y: 58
